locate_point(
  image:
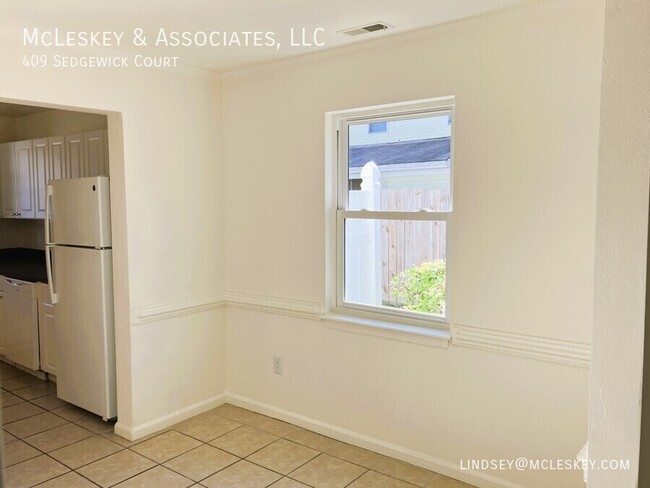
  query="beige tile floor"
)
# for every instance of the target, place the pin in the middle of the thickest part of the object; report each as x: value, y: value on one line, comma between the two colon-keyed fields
x: 52, y: 444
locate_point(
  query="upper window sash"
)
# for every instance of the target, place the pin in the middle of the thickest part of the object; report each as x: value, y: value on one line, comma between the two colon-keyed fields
x: 344, y: 123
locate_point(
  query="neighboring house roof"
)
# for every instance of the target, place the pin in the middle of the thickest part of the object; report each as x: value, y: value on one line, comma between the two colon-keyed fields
x: 401, y: 152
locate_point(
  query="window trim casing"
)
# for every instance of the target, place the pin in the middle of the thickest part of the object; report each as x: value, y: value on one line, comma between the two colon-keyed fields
x: 336, y: 212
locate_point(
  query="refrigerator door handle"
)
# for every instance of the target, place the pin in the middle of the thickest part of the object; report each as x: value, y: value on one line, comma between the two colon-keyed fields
x: 48, y: 198
x: 50, y: 278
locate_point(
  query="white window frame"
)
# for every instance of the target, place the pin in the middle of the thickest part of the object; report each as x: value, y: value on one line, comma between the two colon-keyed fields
x: 337, y: 309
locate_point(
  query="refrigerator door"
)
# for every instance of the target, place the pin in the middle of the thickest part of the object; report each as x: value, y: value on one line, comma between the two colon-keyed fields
x: 79, y: 212
x: 85, y: 329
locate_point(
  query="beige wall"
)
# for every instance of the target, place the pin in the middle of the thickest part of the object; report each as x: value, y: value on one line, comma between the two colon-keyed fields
x: 527, y: 87
x: 168, y: 244
x: 621, y: 244
x: 57, y: 123
x: 27, y: 233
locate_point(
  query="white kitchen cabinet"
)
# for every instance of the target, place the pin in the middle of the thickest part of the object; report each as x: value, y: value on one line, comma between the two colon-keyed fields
x: 20, y: 322
x: 56, y: 158
x: 27, y: 166
x: 86, y: 154
x: 25, y: 188
x: 17, y: 180
x: 74, y: 156
x: 46, y: 329
x: 7, y: 180
x: 49, y: 164
x: 96, y: 163
x: 41, y: 167
x: 29, y: 328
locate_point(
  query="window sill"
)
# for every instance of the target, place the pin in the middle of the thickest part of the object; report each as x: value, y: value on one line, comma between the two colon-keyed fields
x: 388, y: 330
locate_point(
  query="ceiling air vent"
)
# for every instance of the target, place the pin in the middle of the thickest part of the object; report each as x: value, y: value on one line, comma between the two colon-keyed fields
x: 365, y: 29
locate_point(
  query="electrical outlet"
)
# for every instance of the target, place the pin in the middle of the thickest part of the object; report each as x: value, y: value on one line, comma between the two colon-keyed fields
x: 277, y: 365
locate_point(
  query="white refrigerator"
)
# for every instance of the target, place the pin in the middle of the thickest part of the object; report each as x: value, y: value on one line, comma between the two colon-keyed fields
x: 80, y: 275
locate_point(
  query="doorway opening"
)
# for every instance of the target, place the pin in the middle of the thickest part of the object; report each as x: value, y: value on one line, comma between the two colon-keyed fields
x: 64, y: 320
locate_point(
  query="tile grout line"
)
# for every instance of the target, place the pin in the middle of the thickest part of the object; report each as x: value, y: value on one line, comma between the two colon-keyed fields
x: 367, y: 470
x: 122, y: 448
x: 239, y: 458
x: 254, y: 418
x: 69, y: 468
x: 148, y: 469
x: 68, y: 422
x: 203, y: 443
x: 303, y: 464
x: 61, y: 476
x: 47, y: 454
x: 304, y: 445
x: 50, y: 429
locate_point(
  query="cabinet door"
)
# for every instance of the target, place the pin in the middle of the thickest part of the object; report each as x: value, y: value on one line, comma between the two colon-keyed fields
x: 21, y: 333
x: 7, y: 180
x: 94, y: 142
x: 74, y: 156
x: 40, y: 149
x: 56, y: 160
x: 25, y: 189
x: 46, y: 330
x: 48, y: 340
x: 107, y: 170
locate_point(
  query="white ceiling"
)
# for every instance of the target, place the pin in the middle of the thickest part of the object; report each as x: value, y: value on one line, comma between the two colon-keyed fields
x: 238, y: 15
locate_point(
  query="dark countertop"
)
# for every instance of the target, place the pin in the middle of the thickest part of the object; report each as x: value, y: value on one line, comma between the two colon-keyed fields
x: 23, y: 264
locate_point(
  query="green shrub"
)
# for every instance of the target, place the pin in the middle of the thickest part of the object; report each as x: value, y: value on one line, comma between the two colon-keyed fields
x: 421, y: 288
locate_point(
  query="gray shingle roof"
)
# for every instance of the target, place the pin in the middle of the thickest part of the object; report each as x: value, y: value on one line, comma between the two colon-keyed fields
x: 401, y: 152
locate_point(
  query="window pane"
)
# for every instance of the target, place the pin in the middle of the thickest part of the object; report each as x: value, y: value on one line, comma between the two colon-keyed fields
x: 396, y: 263
x: 377, y: 127
x: 404, y: 168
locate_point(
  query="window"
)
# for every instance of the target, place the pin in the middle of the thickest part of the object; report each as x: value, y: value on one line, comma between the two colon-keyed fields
x: 377, y: 127
x: 391, y: 212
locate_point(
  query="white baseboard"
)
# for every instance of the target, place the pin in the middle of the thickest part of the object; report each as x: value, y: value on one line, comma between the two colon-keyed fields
x: 142, y: 430
x: 479, y: 479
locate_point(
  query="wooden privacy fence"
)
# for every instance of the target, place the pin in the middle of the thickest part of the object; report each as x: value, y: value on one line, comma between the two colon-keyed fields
x: 378, y: 250
x: 405, y: 244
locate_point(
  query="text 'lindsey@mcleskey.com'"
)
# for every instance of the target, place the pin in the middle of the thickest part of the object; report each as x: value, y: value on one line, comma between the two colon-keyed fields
x: 526, y: 464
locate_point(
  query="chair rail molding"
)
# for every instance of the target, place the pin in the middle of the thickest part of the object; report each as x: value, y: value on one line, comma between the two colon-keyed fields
x: 174, y: 308
x: 277, y: 305
x: 512, y: 343
x: 523, y: 345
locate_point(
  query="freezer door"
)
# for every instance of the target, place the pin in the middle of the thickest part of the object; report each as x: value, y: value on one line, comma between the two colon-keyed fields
x: 79, y: 212
x: 85, y: 329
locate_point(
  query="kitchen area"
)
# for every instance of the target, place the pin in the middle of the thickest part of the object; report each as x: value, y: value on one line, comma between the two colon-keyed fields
x: 56, y: 289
